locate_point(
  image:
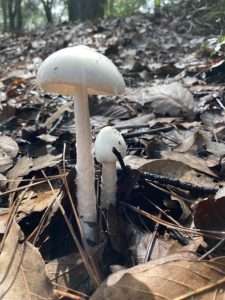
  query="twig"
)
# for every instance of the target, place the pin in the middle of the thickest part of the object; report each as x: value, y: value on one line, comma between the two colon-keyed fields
x: 206, y: 288
x: 71, y: 291
x: 29, y: 185
x: 214, y: 234
x: 69, y: 295
x: 152, y: 242
x: 183, y: 239
x: 212, y: 249
x: 150, y: 131
x: 200, y: 191
x: 120, y: 127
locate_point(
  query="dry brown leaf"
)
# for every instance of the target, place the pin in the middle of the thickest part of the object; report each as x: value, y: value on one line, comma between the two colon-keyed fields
x: 190, y: 160
x: 171, y: 278
x: 36, y: 200
x: 22, y: 270
x: 209, y: 214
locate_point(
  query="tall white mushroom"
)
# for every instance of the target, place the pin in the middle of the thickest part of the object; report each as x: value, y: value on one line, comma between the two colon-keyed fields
x: 107, y: 139
x: 79, y: 71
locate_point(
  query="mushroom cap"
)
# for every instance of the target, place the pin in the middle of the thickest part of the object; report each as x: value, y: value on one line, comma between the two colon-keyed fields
x: 108, y: 138
x: 67, y: 70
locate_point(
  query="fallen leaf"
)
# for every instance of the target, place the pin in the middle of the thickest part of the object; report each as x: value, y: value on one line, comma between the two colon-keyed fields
x: 9, y: 146
x: 169, y: 99
x: 209, y: 214
x: 36, y: 200
x: 190, y: 160
x: 5, y: 161
x: 172, y: 278
x: 22, y: 270
x: 45, y: 161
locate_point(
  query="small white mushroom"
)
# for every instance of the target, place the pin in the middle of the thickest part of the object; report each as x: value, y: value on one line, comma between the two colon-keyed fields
x: 107, y: 139
x: 79, y: 71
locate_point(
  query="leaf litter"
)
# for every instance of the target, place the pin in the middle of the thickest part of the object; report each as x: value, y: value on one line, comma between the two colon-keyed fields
x: 170, y: 193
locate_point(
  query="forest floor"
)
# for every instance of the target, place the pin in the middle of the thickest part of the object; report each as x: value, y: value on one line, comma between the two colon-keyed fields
x: 171, y: 201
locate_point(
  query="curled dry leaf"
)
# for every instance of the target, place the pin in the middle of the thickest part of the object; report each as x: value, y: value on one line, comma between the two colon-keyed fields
x: 173, y: 278
x: 5, y: 161
x: 9, y: 146
x: 22, y: 270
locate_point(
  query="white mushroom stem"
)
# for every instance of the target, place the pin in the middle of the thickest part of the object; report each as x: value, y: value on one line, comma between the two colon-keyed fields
x: 109, y: 184
x: 85, y: 164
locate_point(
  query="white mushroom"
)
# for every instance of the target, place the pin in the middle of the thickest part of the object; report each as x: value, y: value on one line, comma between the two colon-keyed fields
x: 107, y: 139
x: 79, y: 71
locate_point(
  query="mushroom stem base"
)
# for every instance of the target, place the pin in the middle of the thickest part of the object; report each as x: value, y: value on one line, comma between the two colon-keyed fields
x: 109, y: 181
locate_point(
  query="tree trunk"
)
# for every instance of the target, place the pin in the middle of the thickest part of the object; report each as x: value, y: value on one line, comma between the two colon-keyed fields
x: 157, y: 4
x: 48, y: 10
x: 19, y: 16
x: 5, y: 14
x: 110, y: 7
x: 74, y: 10
x: 85, y: 9
x: 11, y: 15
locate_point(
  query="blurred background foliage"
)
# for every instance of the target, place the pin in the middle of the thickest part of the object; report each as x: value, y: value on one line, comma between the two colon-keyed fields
x: 20, y: 15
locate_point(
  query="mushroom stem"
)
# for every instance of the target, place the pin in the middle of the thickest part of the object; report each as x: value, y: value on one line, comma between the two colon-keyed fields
x: 85, y: 164
x: 109, y: 178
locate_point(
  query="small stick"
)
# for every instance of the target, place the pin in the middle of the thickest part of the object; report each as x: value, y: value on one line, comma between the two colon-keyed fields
x: 213, y: 234
x: 200, y: 191
x: 68, y: 295
x: 152, y: 242
x: 182, y: 239
x: 120, y: 127
x: 212, y: 249
x: 150, y: 131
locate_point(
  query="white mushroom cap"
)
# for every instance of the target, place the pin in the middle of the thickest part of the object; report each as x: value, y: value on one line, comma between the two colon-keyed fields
x: 66, y: 70
x: 108, y: 138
